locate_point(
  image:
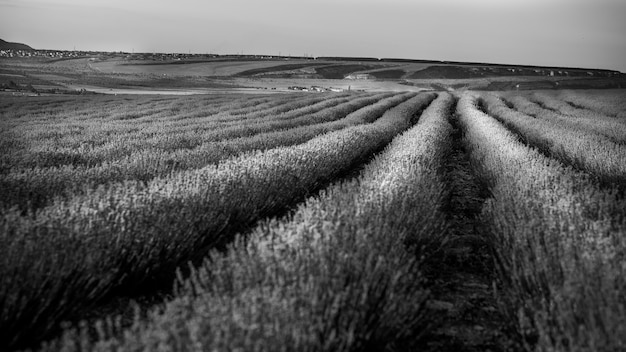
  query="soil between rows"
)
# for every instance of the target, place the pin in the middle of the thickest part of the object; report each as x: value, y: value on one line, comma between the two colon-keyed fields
x: 464, y: 292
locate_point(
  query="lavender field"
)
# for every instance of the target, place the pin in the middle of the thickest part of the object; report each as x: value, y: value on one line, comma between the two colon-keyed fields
x: 306, y: 222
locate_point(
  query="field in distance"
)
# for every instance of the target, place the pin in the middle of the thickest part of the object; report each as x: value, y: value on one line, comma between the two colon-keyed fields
x: 67, y: 72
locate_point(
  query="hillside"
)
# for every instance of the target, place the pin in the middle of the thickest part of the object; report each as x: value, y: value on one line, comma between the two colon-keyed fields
x: 4, y: 45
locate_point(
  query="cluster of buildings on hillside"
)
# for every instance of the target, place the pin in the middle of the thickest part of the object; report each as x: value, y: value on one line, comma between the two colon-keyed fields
x: 316, y: 89
x: 53, y: 54
x: 167, y: 56
x: 61, y: 54
x: 574, y: 72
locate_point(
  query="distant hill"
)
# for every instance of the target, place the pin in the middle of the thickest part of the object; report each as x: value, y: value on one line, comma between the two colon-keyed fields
x: 4, y: 45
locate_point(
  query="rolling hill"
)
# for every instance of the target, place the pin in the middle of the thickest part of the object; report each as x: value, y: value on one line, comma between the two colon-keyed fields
x: 4, y: 45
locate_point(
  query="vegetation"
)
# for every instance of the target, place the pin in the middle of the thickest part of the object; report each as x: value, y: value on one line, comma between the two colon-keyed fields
x: 388, y: 74
x: 546, y: 107
x: 279, y: 68
x: 610, y: 103
x: 313, y: 221
x: 341, y: 273
x: 129, y: 234
x: 340, y: 71
x: 143, y: 149
x: 557, y: 237
x: 569, y: 142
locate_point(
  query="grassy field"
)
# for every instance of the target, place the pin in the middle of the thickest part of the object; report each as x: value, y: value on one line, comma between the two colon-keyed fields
x: 330, y: 221
x: 117, y: 73
x: 218, y: 68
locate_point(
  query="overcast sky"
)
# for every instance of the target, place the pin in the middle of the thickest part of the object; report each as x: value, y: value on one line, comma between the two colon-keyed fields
x: 575, y: 33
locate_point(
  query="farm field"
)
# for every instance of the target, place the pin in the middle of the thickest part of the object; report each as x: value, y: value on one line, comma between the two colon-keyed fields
x: 166, y: 74
x: 356, y: 220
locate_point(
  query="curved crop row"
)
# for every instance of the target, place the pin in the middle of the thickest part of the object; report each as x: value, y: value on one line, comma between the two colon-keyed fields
x: 588, y: 151
x: 341, y: 274
x: 555, y: 110
x: 121, y: 238
x: 308, y: 106
x: 93, y: 143
x: 301, y: 102
x: 325, y: 115
x: 45, y: 107
x: 33, y: 188
x: 558, y: 102
x: 71, y: 136
x: 608, y: 102
x: 213, y: 109
x: 275, y: 105
x: 196, y: 119
x: 269, y: 103
x: 192, y: 132
x: 558, y: 239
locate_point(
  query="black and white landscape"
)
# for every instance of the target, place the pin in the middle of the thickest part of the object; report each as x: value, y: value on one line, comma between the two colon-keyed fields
x: 330, y: 176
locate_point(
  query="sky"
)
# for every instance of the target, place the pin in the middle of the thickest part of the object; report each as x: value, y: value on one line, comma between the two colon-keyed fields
x: 570, y: 33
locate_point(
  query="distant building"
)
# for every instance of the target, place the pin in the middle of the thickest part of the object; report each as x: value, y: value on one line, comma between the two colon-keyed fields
x: 298, y: 88
x: 358, y: 76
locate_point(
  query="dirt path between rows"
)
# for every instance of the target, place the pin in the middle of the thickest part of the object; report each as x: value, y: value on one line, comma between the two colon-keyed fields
x: 464, y: 284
